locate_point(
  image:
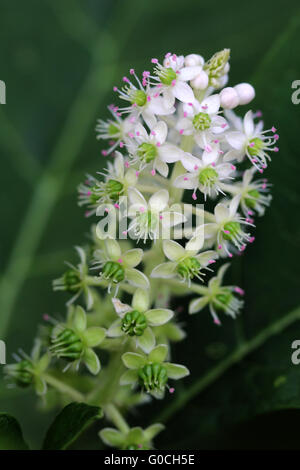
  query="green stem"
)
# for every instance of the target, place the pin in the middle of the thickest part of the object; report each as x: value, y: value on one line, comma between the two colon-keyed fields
x: 64, y: 388
x: 113, y: 414
x: 236, y: 356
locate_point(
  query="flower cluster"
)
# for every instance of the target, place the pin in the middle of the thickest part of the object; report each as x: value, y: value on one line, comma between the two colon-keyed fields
x: 173, y: 137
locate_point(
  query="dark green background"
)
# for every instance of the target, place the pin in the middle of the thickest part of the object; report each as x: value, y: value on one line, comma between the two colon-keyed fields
x: 59, y: 60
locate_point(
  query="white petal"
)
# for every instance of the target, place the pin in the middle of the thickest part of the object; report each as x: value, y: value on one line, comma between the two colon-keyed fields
x: 221, y: 213
x: 186, y: 181
x: 173, y: 250
x: 119, y: 164
x: 159, y: 200
x: 114, y: 331
x: 189, y: 73
x: 170, y: 219
x: 164, y: 270
x: 197, y: 304
x: 161, y: 167
x: 170, y: 153
x: 211, y: 104
x: 210, y: 230
x: 234, y: 204
x: 147, y: 341
x: 196, y: 242
x: 120, y: 308
x: 141, y: 300
x: 249, y: 124
x: 132, y: 258
x: 190, y: 162
x: 135, y: 197
x: 183, y: 92
x: 206, y: 256
x: 212, y: 156
x: 161, y: 131
x: 112, y: 249
x: 141, y: 132
x: 236, y: 139
x: 149, y: 117
x: 137, y: 278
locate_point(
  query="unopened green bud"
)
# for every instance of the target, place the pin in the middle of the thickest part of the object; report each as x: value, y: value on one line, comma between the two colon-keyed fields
x: 113, y: 271
x: 134, y: 323
x: 217, y: 66
x: 67, y: 345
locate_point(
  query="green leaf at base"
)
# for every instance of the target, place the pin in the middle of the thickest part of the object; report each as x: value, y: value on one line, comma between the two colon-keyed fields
x: 11, y: 437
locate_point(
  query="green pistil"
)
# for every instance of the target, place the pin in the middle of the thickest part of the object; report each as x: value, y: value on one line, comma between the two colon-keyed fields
x: 153, y: 377
x: 114, y: 188
x: 167, y: 76
x: 71, y: 281
x: 113, y: 271
x: 188, y: 268
x: 254, y: 146
x: 147, y: 152
x: 224, y: 298
x: 138, y: 97
x: 215, y: 66
x: 251, y: 201
x: 208, y: 177
x: 22, y: 372
x: 134, y: 323
x: 67, y: 345
x: 113, y: 130
x: 233, y: 228
x: 201, y: 121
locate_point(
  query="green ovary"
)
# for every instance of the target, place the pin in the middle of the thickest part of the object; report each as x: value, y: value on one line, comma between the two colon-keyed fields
x: 113, y: 271
x: 233, y: 228
x: 251, y: 201
x: 67, y: 345
x: 188, y: 268
x: 255, y: 146
x: 201, y: 121
x: 147, y: 152
x: 167, y: 76
x: 208, y: 177
x: 153, y: 377
x: 224, y: 298
x: 138, y: 97
x: 114, y: 188
x: 134, y: 323
x: 113, y: 130
x: 71, y: 281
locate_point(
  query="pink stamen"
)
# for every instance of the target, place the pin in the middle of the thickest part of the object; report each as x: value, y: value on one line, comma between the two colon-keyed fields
x: 142, y: 209
x: 273, y: 129
x: 171, y: 390
x: 126, y: 164
x: 239, y: 290
x: 131, y: 71
x: 104, y: 153
x: 116, y: 205
x: 219, y: 247
x: 194, y: 197
x: 121, y: 144
x: 154, y: 61
x: 181, y: 131
x: 153, y: 172
x: 211, y: 261
x: 125, y: 79
x: 120, y: 260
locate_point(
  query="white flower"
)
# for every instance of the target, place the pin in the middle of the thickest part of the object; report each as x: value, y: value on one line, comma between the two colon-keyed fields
x: 253, y: 194
x: 172, y: 77
x: 185, y: 263
x: 137, y: 319
x: 152, y: 149
x: 202, y: 121
x: 204, y: 174
x: 218, y: 298
x: 151, y: 218
x: 252, y: 142
x: 117, y: 267
x: 116, y: 182
x: 143, y: 100
x: 227, y: 229
x: 114, y: 130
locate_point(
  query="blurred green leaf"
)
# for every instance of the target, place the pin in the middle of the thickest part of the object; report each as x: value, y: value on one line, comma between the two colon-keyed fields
x: 71, y: 422
x: 11, y: 437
